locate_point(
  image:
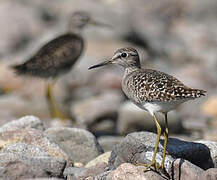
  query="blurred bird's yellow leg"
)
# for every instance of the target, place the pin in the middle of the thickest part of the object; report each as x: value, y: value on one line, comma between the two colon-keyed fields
x: 53, y: 108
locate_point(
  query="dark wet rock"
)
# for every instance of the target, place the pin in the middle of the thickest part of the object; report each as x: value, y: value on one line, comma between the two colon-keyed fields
x: 94, y: 108
x: 22, y: 123
x: 32, y: 137
x: 131, y: 118
x: 182, y: 169
x: 129, y: 171
x: 73, y: 173
x: 108, y: 142
x: 138, y: 148
x: 17, y: 166
x: 213, y: 149
x: 80, y: 145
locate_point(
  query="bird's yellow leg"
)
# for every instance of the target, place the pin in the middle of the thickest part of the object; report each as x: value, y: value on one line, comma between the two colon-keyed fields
x: 166, y: 134
x: 154, y: 163
x: 53, y: 108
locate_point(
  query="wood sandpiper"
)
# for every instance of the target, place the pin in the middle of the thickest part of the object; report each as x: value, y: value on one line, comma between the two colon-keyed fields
x: 58, y: 56
x: 151, y: 90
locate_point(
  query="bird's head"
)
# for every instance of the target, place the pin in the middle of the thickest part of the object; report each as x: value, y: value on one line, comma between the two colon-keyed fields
x: 125, y: 57
x: 81, y: 19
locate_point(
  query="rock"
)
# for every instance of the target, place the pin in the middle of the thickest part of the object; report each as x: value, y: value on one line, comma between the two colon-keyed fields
x: 31, y: 137
x: 107, y: 142
x: 182, y: 169
x: 104, y: 127
x: 22, y: 167
x: 85, y: 173
x: 128, y: 171
x: 138, y: 147
x: 213, y: 150
x: 131, y: 118
x: 24, y: 122
x: 101, y: 158
x: 22, y: 149
x: 209, y: 174
x: 79, y: 144
x: 103, y: 106
x: 71, y: 173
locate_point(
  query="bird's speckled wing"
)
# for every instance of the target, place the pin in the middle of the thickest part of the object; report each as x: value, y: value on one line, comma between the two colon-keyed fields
x: 53, y: 58
x: 151, y: 85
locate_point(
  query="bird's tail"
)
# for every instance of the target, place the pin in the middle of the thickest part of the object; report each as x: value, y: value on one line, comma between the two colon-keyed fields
x: 19, y: 69
x: 196, y: 93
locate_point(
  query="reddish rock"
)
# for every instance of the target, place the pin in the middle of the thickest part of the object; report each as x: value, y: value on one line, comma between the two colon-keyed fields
x: 210, y: 174
x: 128, y: 171
x: 182, y: 169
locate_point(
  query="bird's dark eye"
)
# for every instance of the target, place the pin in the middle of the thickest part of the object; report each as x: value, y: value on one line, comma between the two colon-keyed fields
x: 123, y: 55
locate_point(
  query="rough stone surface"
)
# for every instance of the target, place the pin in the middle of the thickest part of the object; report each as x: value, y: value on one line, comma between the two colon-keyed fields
x: 32, y: 137
x: 107, y: 142
x: 128, y: 171
x: 85, y: 173
x: 138, y: 147
x: 24, y: 122
x: 18, y: 166
x: 210, y: 174
x: 79, y: 144
x: 182, y: 170
x: 24, y: 150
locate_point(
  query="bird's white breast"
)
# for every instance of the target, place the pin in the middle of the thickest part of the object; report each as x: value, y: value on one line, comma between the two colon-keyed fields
x: 153, y: 107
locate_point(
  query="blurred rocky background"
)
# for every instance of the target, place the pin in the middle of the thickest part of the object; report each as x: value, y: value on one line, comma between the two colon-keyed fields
x: 177, y: 37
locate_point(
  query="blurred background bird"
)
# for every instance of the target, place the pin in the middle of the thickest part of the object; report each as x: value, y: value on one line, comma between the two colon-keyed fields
x: 58, y: 56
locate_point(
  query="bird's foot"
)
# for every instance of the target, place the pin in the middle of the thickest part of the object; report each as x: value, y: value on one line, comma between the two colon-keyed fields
x: 60, y: 115
x: 148, y: 166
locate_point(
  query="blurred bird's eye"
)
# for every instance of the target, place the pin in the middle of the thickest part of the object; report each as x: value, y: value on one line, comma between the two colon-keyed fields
x: 123, y: 55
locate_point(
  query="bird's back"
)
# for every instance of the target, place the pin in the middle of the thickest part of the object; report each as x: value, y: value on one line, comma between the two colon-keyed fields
x: 147, y: 85
x: 54, y: 58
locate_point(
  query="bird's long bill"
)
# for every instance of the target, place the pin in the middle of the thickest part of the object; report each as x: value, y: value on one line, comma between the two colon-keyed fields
x: 101, y: 64
x: 100, y: 24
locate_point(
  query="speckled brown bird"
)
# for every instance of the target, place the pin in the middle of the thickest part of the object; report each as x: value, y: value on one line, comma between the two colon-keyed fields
x: 151, y: 90
x: 58, y: 56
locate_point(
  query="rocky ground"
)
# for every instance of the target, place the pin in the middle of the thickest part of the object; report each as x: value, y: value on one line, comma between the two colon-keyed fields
x: 106, y: 135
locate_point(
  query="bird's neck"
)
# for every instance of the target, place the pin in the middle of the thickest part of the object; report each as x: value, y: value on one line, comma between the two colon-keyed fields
x: 75, y: 30
x: 131, y: 69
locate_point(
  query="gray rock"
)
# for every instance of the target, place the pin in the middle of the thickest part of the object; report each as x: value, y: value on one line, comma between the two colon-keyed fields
x: 24, y: 122
x: 18, y: 166
x: 103, y: 106
x: 182, y: 169
x: 213, y: 150
x: 138, y: 147
x: 32, y: 137
x: 131, y: 118
x: 73, y: 173
x: 107, y: 142
x: 79, y: 144
x: 129, y: 171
